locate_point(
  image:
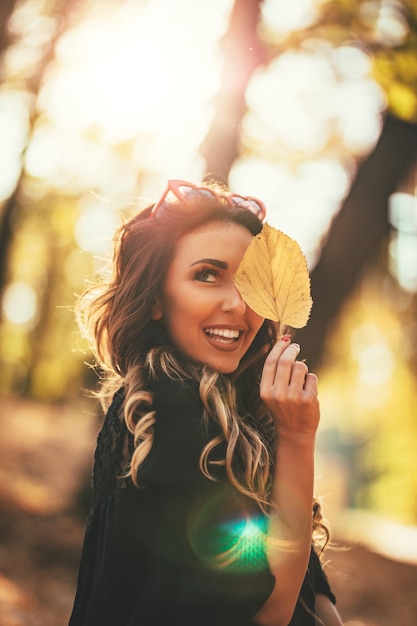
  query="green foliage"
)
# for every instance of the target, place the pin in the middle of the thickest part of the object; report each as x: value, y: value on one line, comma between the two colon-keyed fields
x: 386, y: 31
x: 42, y: 357
x: 368, y: 396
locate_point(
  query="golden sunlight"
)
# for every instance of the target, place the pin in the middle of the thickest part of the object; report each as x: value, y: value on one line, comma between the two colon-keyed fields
x: 129, y: 98
x: 301, y: 201
x: 137, y: 69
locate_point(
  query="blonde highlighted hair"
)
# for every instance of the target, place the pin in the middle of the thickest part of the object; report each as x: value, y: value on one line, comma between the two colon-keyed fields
x: 220, y: 402
x: 131, y: 349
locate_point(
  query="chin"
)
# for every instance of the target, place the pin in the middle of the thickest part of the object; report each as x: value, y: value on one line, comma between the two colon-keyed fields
x: 224, y: 369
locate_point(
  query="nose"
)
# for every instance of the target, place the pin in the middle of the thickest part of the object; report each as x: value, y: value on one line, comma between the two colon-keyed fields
x: 233, y: 302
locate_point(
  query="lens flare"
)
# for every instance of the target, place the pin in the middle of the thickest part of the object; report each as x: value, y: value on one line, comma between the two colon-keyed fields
x: 230, y: 544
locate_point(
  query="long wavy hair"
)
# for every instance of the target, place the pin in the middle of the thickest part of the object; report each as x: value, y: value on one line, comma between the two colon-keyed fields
x: 131, y: 349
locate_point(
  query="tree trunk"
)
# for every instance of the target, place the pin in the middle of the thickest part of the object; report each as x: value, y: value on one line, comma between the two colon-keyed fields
x: 358, y: 231
x: 242, y: 54
x: 61, y: 11
x: 6, y: 10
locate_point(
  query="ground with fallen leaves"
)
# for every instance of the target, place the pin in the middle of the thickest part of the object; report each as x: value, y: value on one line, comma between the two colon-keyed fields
x: 46, y: 453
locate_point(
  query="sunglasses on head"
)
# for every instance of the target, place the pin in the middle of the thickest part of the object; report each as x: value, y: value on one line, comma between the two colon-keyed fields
x: 189, y: 194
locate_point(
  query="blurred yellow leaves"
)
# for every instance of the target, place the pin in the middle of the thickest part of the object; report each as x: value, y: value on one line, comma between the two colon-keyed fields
x: 402, y: 101
x: 397, y: 74
x: 367, y: 392
x: 273, y: 278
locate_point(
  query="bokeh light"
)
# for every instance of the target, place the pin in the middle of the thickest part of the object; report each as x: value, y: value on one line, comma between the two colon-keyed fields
x: 95, y: 226
x: 20, y: 303
x: 282, y: 16
x: 95, y: 123
x: 403, y: 244
x: 14, y: 127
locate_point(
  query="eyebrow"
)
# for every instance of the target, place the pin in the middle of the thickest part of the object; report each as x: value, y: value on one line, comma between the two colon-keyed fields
x: 221, y: 264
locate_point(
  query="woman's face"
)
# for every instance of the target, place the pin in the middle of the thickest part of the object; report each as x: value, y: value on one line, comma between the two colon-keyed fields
x: 200, y: 307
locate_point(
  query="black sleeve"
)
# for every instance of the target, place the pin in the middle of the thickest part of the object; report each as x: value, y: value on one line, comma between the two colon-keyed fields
x: 321, y: 582
x: 205, y: 541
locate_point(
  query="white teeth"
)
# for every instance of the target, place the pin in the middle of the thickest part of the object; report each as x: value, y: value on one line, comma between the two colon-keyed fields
x: 223, y: 332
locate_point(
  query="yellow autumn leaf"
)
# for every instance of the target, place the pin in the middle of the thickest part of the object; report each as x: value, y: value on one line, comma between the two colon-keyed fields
x: 273, y: 278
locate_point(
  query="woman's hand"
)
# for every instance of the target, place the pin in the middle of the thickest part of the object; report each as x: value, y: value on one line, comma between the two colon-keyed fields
x: 290, y: 391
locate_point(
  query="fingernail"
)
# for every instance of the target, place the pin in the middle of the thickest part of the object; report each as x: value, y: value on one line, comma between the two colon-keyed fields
x: 296, y: 345
x: 286, y: 338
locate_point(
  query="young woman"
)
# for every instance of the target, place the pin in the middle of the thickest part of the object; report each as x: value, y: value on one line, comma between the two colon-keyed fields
x: 202, y: 508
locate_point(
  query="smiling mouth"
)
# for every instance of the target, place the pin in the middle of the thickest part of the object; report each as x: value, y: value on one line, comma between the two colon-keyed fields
x: 223, y: 335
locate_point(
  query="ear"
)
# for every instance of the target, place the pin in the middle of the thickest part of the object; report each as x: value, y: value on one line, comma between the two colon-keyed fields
x: 156, y: 312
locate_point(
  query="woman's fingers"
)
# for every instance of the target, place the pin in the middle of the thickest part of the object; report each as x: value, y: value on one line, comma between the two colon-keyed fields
x: 311, y: 384
x: 290, y: 390
x: 279, y: 363
x: 298, y: 374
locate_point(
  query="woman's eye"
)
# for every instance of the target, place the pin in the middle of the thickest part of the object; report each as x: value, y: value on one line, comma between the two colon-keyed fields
x: 207, y: 275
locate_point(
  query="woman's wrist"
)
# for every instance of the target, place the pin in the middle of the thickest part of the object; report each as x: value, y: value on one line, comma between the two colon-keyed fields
x: 304, y: 439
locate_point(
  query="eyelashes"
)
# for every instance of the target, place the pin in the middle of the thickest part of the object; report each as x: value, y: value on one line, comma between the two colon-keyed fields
x: 206, y: 275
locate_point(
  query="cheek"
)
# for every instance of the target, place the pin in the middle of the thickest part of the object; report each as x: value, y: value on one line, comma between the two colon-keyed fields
x: 181, y: 312
x: 255, y: 320
x: 186, y: 302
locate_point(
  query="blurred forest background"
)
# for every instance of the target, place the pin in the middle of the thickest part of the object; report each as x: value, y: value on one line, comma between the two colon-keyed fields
x: 311, y: 105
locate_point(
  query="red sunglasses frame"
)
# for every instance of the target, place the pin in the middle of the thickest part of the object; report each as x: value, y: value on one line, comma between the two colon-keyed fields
x: 174, y: 186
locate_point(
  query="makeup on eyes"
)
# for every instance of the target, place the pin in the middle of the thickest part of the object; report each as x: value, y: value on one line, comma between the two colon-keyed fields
x: 216, y: 262
x: 203, y: 269
x: 201, y: 273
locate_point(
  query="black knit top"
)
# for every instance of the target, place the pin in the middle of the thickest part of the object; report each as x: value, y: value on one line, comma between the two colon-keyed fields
x: 180, y: 550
